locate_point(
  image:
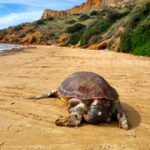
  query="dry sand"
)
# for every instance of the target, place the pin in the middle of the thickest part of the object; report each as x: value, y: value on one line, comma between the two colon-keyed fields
x: 28, y: 125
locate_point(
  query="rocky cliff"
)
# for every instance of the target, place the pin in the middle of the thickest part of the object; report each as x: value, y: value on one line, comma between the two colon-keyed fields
x: 90, y: 4
x: 87, y: 5
x: 53, y: 13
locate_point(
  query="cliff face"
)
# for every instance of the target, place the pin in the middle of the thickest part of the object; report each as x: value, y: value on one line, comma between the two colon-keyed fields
x: 53, y: 13
x: 1, y: 34
x: 84, y: 6
x: 81, y: 8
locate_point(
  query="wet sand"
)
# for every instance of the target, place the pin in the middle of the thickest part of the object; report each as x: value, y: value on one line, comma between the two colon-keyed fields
x: 29, y: 125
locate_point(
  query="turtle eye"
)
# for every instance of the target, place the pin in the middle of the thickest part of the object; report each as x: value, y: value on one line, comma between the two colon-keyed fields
x: 76, y: 116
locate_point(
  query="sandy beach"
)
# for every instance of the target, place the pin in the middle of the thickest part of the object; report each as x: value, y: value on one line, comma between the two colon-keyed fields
x: 29, y: 125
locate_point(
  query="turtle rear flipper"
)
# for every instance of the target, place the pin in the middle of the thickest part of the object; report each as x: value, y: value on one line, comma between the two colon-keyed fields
x: 120, y: 114
x: 52, y: 94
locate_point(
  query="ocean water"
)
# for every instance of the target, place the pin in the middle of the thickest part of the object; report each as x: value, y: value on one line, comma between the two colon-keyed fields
x: 9, y: 46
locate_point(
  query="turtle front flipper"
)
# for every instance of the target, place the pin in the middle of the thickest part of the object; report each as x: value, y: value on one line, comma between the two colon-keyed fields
x: 72, y: 103
x: 52, y: 94
x: 121, y: 116
x: 75, y: 118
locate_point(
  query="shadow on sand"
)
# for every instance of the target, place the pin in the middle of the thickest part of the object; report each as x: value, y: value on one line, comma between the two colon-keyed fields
x: 133, y: 116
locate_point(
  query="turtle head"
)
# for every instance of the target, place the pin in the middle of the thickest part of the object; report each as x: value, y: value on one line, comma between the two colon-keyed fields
x: 98, y: 111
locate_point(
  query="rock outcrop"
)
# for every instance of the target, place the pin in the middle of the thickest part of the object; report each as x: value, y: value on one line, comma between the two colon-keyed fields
x: 98, y: 46
x: 87, y: 5
x: 90, y: 4
x: 53, y: 13
x: 1, y: 35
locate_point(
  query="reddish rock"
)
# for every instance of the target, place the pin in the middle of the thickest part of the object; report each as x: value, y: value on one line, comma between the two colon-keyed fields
x: 63, y: 38
x: 98, y: 46
x: 53, y: 13
x: 81, y: 8
x: 84, y: 6
x: 29, y: 39
x: 1, y: 35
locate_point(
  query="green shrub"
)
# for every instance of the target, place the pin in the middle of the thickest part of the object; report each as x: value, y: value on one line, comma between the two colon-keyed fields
x: 143, y: 50
x: 40, y: 22
x: 116, y: 14
x: 83, y: 17
x: 90, y: 34
x: 126, y: 42
x: 77, y: 27
x: 141, y: 39
x: 17, y: 28
x: 146, y: 9
x: 77, y: 14
x: 99, y: 27
x: 75, y: 38
x: 94, y: 39
x: 136, y: 38
x: 139, y: 15
x: 71, y: 21
x: 48, y: 19
x: 93, y: 13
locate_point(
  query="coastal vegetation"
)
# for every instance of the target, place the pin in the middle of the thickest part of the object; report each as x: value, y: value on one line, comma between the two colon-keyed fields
x: 136, y: 38
x: 84, y: 17
x: 75, y: 28
x: 124, y: 28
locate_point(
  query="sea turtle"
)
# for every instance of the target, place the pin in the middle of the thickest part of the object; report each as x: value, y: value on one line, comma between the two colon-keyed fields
x: 89, y: 98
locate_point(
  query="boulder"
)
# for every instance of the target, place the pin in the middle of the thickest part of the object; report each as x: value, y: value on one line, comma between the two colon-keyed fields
x: 98, y: 46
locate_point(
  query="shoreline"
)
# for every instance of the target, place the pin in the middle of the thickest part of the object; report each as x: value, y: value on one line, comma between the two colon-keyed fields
x: 37, y: 46
x: 13, y: 50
